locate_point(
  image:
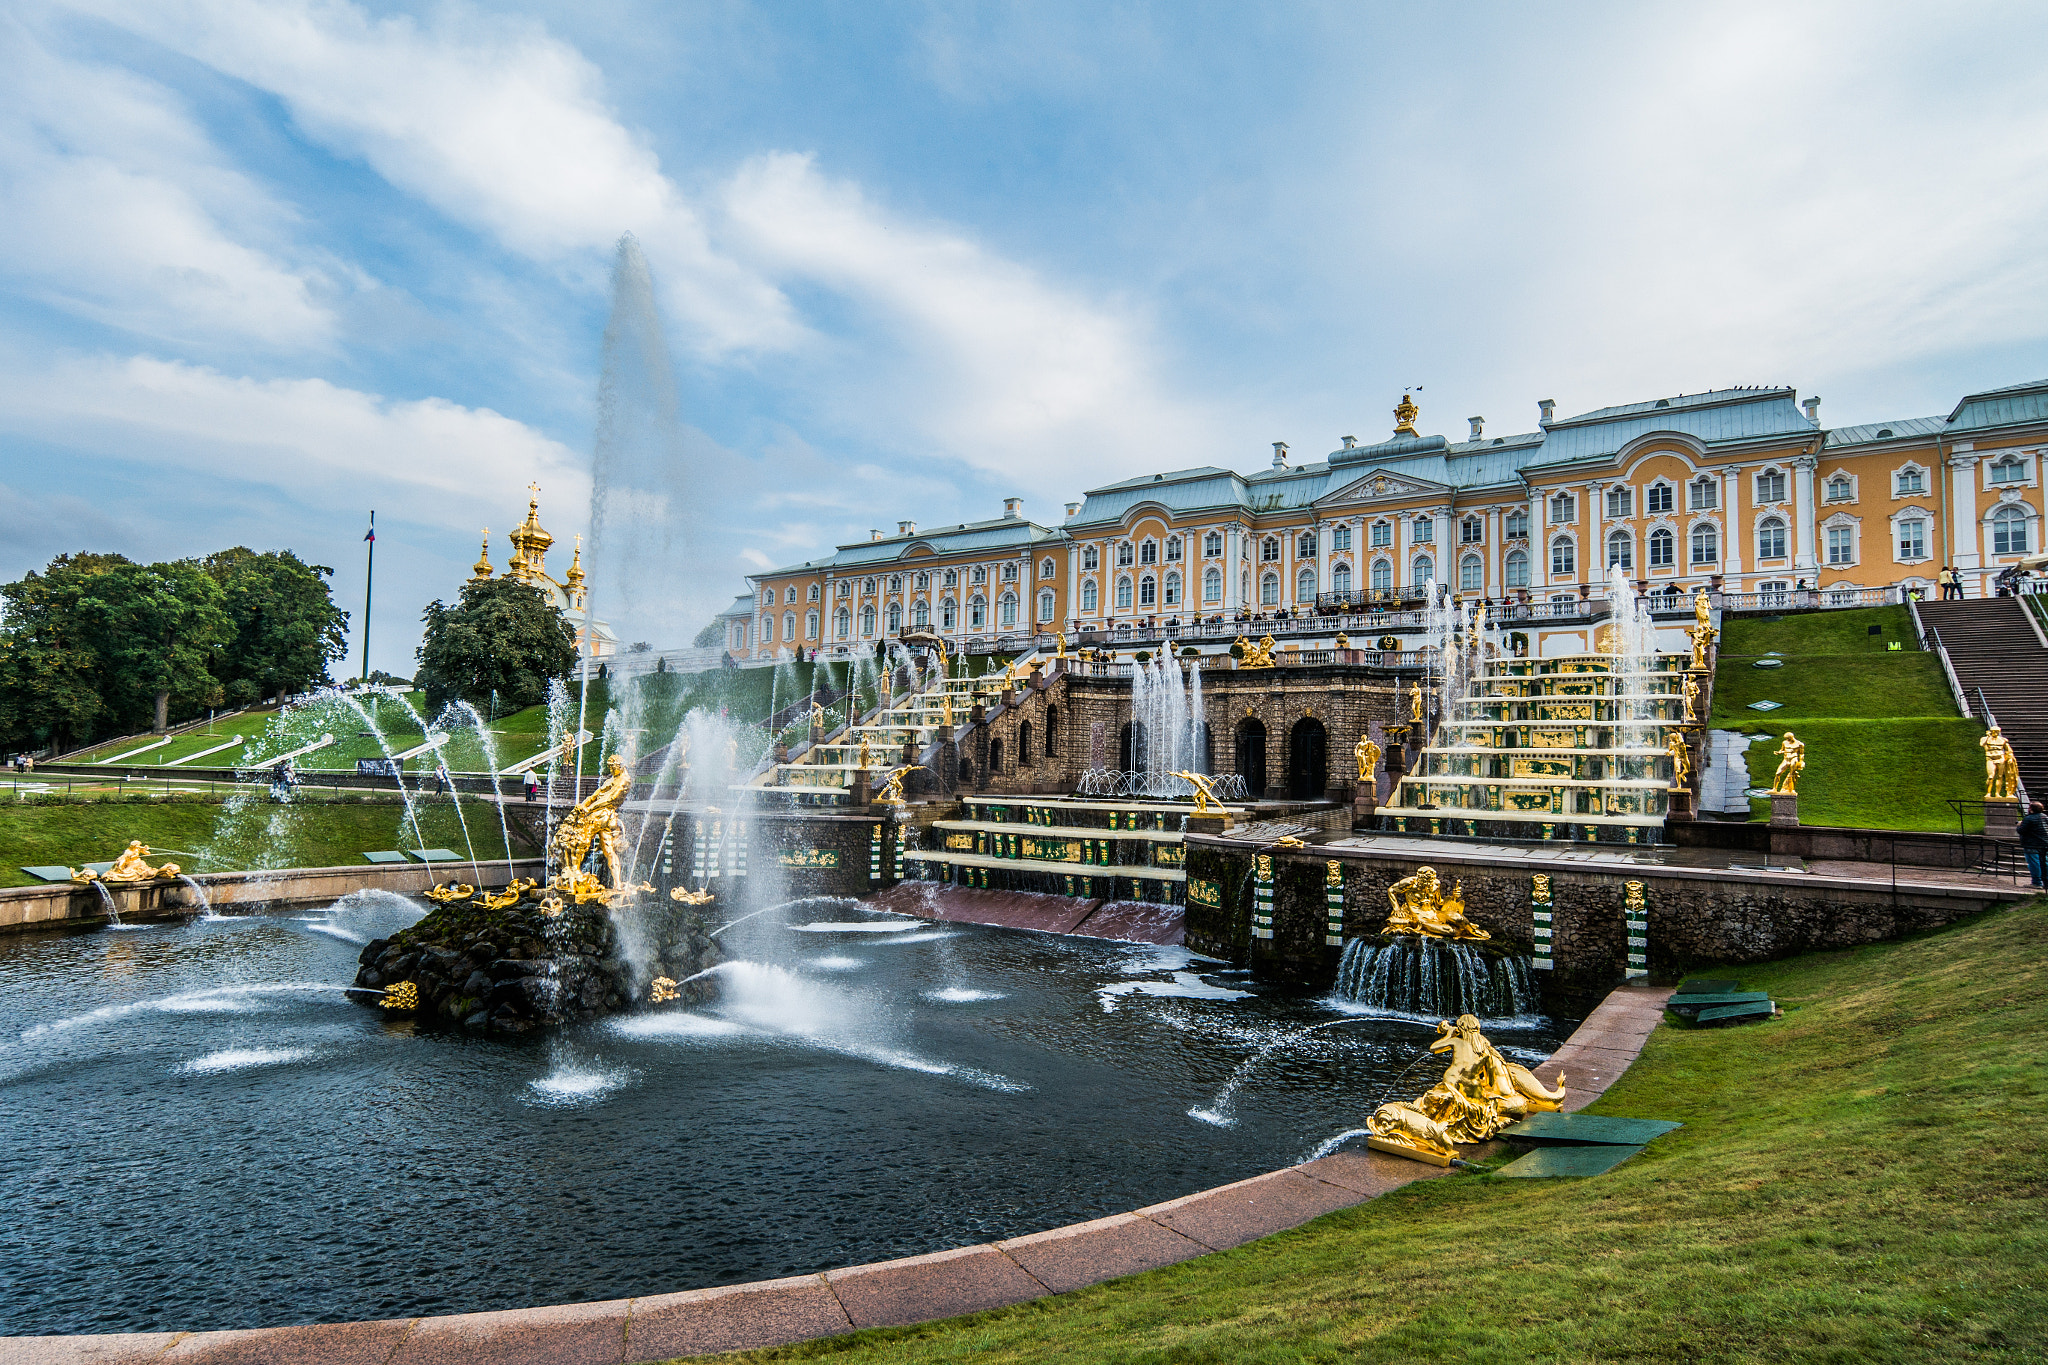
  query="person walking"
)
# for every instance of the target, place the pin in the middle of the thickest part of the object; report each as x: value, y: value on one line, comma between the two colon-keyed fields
x: 2034, y: 843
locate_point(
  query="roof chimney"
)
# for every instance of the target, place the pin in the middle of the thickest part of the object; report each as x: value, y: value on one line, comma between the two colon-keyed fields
x: 906, y: 528
x: 1478, y: 426
x: 1549, y: 407
x: 1351, y: 443
x: 1072, y: 509
x: 1013, y: 507
x: 874, y: 534
x: 1812, y: 406
x: 1279, y: 454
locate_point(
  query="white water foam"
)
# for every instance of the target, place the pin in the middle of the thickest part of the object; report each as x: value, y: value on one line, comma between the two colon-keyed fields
x: 214, y: 1000
x: 837, y: 964
x: 1185, y: 985
x: 856, y: 926
x: 932, y: 937
x: 960, y: 995
x: 1331, y: 1144
x: 675, y: 1024
x: 242, y: 1058
x: 572, y: 1084
x: 363, y: 915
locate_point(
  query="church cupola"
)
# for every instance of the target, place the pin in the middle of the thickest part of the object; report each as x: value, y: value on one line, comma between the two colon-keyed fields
x: 481, y: 571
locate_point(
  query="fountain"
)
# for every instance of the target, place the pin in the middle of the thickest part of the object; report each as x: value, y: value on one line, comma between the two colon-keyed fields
x: 1430, y: 961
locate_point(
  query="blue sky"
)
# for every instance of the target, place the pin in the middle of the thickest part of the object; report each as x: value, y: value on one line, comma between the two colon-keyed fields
x: 266, y: 266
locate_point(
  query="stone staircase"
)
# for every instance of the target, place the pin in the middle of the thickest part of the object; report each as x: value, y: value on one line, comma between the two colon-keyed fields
x: 1994, y: 649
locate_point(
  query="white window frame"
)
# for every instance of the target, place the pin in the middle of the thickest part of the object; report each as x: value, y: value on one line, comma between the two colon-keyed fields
x: 1650, y: 498
x: 1212, y: 584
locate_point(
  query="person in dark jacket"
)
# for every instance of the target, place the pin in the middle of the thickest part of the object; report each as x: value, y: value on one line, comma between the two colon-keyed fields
x: 2034, y: 843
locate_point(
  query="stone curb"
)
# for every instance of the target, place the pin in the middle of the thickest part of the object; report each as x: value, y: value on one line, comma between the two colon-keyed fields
x: 895, y: 1293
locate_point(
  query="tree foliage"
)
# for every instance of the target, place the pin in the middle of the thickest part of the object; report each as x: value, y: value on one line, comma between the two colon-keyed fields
x: 501, y: 637
x: 286, y: 626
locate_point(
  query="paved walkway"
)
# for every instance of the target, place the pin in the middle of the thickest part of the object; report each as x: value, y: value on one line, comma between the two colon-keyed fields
x: 885, y: 1294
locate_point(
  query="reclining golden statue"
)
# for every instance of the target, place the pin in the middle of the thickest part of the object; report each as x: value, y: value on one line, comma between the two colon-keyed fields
x: 1420, y: 907
x: 1481, y: 1093
x: 129, y: 867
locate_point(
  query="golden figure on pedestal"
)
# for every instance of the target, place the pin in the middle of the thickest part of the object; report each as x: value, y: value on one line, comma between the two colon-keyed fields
x: 1368, y: 755
x: 1681, y: 758
x: 1689, y: 688
x: 1481, y: 1093
x: 1415, y: 703
x: 593, y: 822
x: 1791, y: 763
x: 945, y: 708
x: 1258, y: 655
x: 1059, y: 638
x: 892, y: 790
x: 866, y: 754
x: 1205, y: 792
x: 2001, y: 768
x: 1421, y: 907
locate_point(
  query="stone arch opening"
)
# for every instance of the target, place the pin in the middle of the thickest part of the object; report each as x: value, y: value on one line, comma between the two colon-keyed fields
x: 1251, y: 755
x: 1308, y: 760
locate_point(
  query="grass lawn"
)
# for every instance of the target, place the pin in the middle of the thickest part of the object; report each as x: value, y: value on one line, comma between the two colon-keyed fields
x: 307, y: 833
x: 1820, y: 632
x: 1876, y: 774
x: 1858, y: 1181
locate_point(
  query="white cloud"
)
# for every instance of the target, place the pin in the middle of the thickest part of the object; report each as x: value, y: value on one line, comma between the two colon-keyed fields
x: 116, y: 202
x: 445, y: 464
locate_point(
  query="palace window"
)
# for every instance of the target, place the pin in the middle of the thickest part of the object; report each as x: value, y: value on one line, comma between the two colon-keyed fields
x: 768, y: 598
x: 1425, y: 530
x: 1305, y: 586
x: 1269, y: 548
x: 1840, y: 489
x: 1471, y: 574
x: 1706, y: 545
x: 1148, y: 553
x: 1340, y: 538
x: 1619, y: 502
x: 810, y: 625
x: 789, y: 625
x: 1091, y: 558
x: 1340, y: 579
x: 1662, y: 547
x: 1912, y: 538
x: 1212, y: 545
x: 1770, y: 486
x: 977, y: 612
x: 952, y: 579
x: 895, y: 582
x: 1009, y: 573
x: 1088, y: 597
x: 2009, y: 531
x: 1912, y: 479
x: 812, y: 593
x: 1517, y: 569
x: 1564, y: 558
x: 1123, y: 594
x: 1148, y: 591
x: 867, y: 621
x: 867, y: 587
x: 845, y: 587
x: 842, y: 622
x: 949, y: 614
x: 978, y: 576
x: 1382, y: 534
x: 1305, y: 545
x: 1045, y: 605
x: 2011, y: 469
x: 1841, y: 545
x: 789, y: 593
x: 1175, y: 549
x: 1621, y: 550
x: 1657, y: 498
x: 1706, y: 493
x: 1471, y: 531
x: 1516, y: 525
x: 1212, y: 585
x: 1382, y: 576
x: 1770, y: 538
x: 1269, y: 590
x: 767, y: 630
x: 921, y: 615
x: 1564, y: 509
x: 1046, y: 568
x: 1173, y: 590
x: 1006, y: 611
x: 895, y: 618
x: 1424, y: 569
x: 923, y: 582
x: 1123, y: 555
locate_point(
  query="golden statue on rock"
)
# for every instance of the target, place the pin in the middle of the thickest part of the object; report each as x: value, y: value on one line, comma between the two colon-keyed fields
x: 1791, y: 763
x: 2001, y: 768
x: 129, y: 867
x: 1368, y: 755
x: 1421, y: 907
x: 1481, y: 1093
x: 1258, y: 655
x: 593, y: 822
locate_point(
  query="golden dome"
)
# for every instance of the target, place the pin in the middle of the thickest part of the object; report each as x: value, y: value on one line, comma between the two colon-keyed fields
x: 530, y: 539
x: 482, y: 569
x: 575, y: 574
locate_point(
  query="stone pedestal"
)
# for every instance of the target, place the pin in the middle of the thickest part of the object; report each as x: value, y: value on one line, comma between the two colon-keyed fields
x: 817, y: 732
x: 1208, y: 824
x: 2002, y: 819
x: 862, y: 787
x: 1680, y: 806
x: 1784, y: 810
x: 781, y: 752
x: 1365, y: 805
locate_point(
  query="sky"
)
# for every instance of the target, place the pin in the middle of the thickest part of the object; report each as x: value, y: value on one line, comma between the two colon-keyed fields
x: 267, y: 267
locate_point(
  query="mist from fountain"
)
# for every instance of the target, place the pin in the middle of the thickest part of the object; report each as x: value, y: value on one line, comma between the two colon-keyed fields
x: 451, y: 715
x: 1428, y: 978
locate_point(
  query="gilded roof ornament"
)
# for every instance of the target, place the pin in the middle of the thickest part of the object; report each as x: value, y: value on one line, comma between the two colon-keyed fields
x: 1404, y: 417
x: 481, y: 570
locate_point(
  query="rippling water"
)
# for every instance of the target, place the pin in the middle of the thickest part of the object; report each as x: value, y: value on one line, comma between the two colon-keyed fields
x: 203, y: 1132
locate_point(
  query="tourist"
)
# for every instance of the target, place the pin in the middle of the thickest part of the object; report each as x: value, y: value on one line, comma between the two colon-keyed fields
x: 2034, y: 843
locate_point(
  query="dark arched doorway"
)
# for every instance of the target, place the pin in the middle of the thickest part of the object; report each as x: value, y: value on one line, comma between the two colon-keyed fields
x: 1133, y: 752
x: 1052, y: 732
x: 1251, y: 755
x: 1308, y: 760
x: 1024, y: 744
x: 995, y: 759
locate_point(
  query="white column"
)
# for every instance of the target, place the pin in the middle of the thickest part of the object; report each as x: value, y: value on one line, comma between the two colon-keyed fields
x: 1492, y: 521
x: 1731, y: 540
x: 1803, y: 512
x: 1968, y: 551
x: 1539, y: 541
x: 1596, y: 567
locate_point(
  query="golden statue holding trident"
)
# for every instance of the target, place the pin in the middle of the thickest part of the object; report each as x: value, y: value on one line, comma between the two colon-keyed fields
x: 1791, y: 763
x: 2001, y: 767
x: 593, y: 821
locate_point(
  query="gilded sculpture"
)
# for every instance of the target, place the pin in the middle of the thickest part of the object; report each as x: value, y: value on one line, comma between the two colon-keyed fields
x: 1689, y: 688
x: 817, y: 716
x: 866, y: 754
x: 2001, y: 767
x: 1368, y: 755
x: 1415, y: 703
x: 946, y: 708
x: 1791, y: 763
x: 1681, y: 758
x: 1421, y: 907
x: 593, y: 822
x: 892, y: 790
x: 1258, y: 655
x: 1205, y: 792
x: 1481, y: 1093
x: 662, y: 990
x: 129, y: 867
x: 1059, y: 638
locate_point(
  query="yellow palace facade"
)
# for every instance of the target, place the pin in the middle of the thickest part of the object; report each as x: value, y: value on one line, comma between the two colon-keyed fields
x: 1735, y: 490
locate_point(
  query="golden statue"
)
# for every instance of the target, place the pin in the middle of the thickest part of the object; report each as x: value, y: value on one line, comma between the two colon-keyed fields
x: 130, y: 867
x: 1791, y: 763
x: 2001, y: 768
x: 945, y: 670
x: 1415, y: 703
x: 1290, y: 841
x: 1258, y: 655
x: 593, y: 821
x: 1420, y: 907
x: 453, y: 891
x: 689, y: 897
x: 1681, y: 758
x: 866, y: 754
x: 1689, y: 687
x: 1702, y: 611
x: 1059, y: 638
x: 1481, y: 1093
x: 817, y: 716
x: 662, y: 990
x: 892, y: 790
x: 404, y: 996
x: 1368, y: 755
x: 945, y: 708
x: 504, y: 899
x: 1205, y: 792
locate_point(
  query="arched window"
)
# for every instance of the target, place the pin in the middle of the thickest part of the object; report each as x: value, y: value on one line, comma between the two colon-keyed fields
x: 923, y: 581
x: 867, y: 621
x: 1212, y: 544
x: 1564, y: 558
x: 1173, y: 551
x: 895, y: 582
x: 979, y: 576
x: 811, y: 625
x: 1212, y: 585
x: 842, y: 622
x: 1173, y: 590
x: 1424, y: 570
x: 768, y: 597
x: 1006, y: 611
x: 1516, y: 568
x: 1009, y: 573
x: 789, y: 593
x: 1090, y: 558
x: 895, y: 618
x: 767, y: 630
x: 1662, y: 545
x: 921, y: 615
x: 1045, y: 605
x: 1770, y: 538
x: 1471, y: 574
x: 1621, y: 550
x: 1305, y: 586
x: 845, y: 588
x: 1340, y: 578
x: 1706, y: 544
x: 1269, y: 590
x: 1770, y: 487
x: 1382, y: 576
x: 867, y: 587
x: 1123, y: 554
x: 1148, y: 590
x: 949, y: 615
x: 1088, y: 598
x: 1839, y: 488
x: 1305, y: 545
x: 1123, y: 594
x: 1024, y: 743
x: 1912, y: 479
x: 812, y: 595
x: 2011, y: 469
x: 977, y: 612
x: 1046, y: 568
x: 1148, y: 553
x: 1269, y: 549
x: 952, y: 579
x: 2009, y: 530
x: 789, y: 625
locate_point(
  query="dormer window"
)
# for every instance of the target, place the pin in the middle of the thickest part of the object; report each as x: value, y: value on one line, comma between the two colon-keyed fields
x: 1912, y: 479
x: 2011, y: 469
x: 1770, y: 486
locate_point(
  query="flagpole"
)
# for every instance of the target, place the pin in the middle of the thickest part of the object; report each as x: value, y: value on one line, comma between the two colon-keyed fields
x: 369, y: 579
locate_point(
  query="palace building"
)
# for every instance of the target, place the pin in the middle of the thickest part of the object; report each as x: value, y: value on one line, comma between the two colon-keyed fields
x: 1736, y: 490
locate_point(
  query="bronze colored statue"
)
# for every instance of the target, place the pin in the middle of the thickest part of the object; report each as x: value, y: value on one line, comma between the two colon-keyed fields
x: 2001, y: 768
x: 892, y: 790
x: 130, y: 867
x: 1791, y: 763
x: 1368, y: 755
x: 1481, y: 1093
x: 1681, y: 758
x: 1420, y: 907
x: 593, y: 822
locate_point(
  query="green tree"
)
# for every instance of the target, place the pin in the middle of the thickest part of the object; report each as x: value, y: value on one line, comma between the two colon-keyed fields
x: 501, y: 636
x: 286, y: 626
